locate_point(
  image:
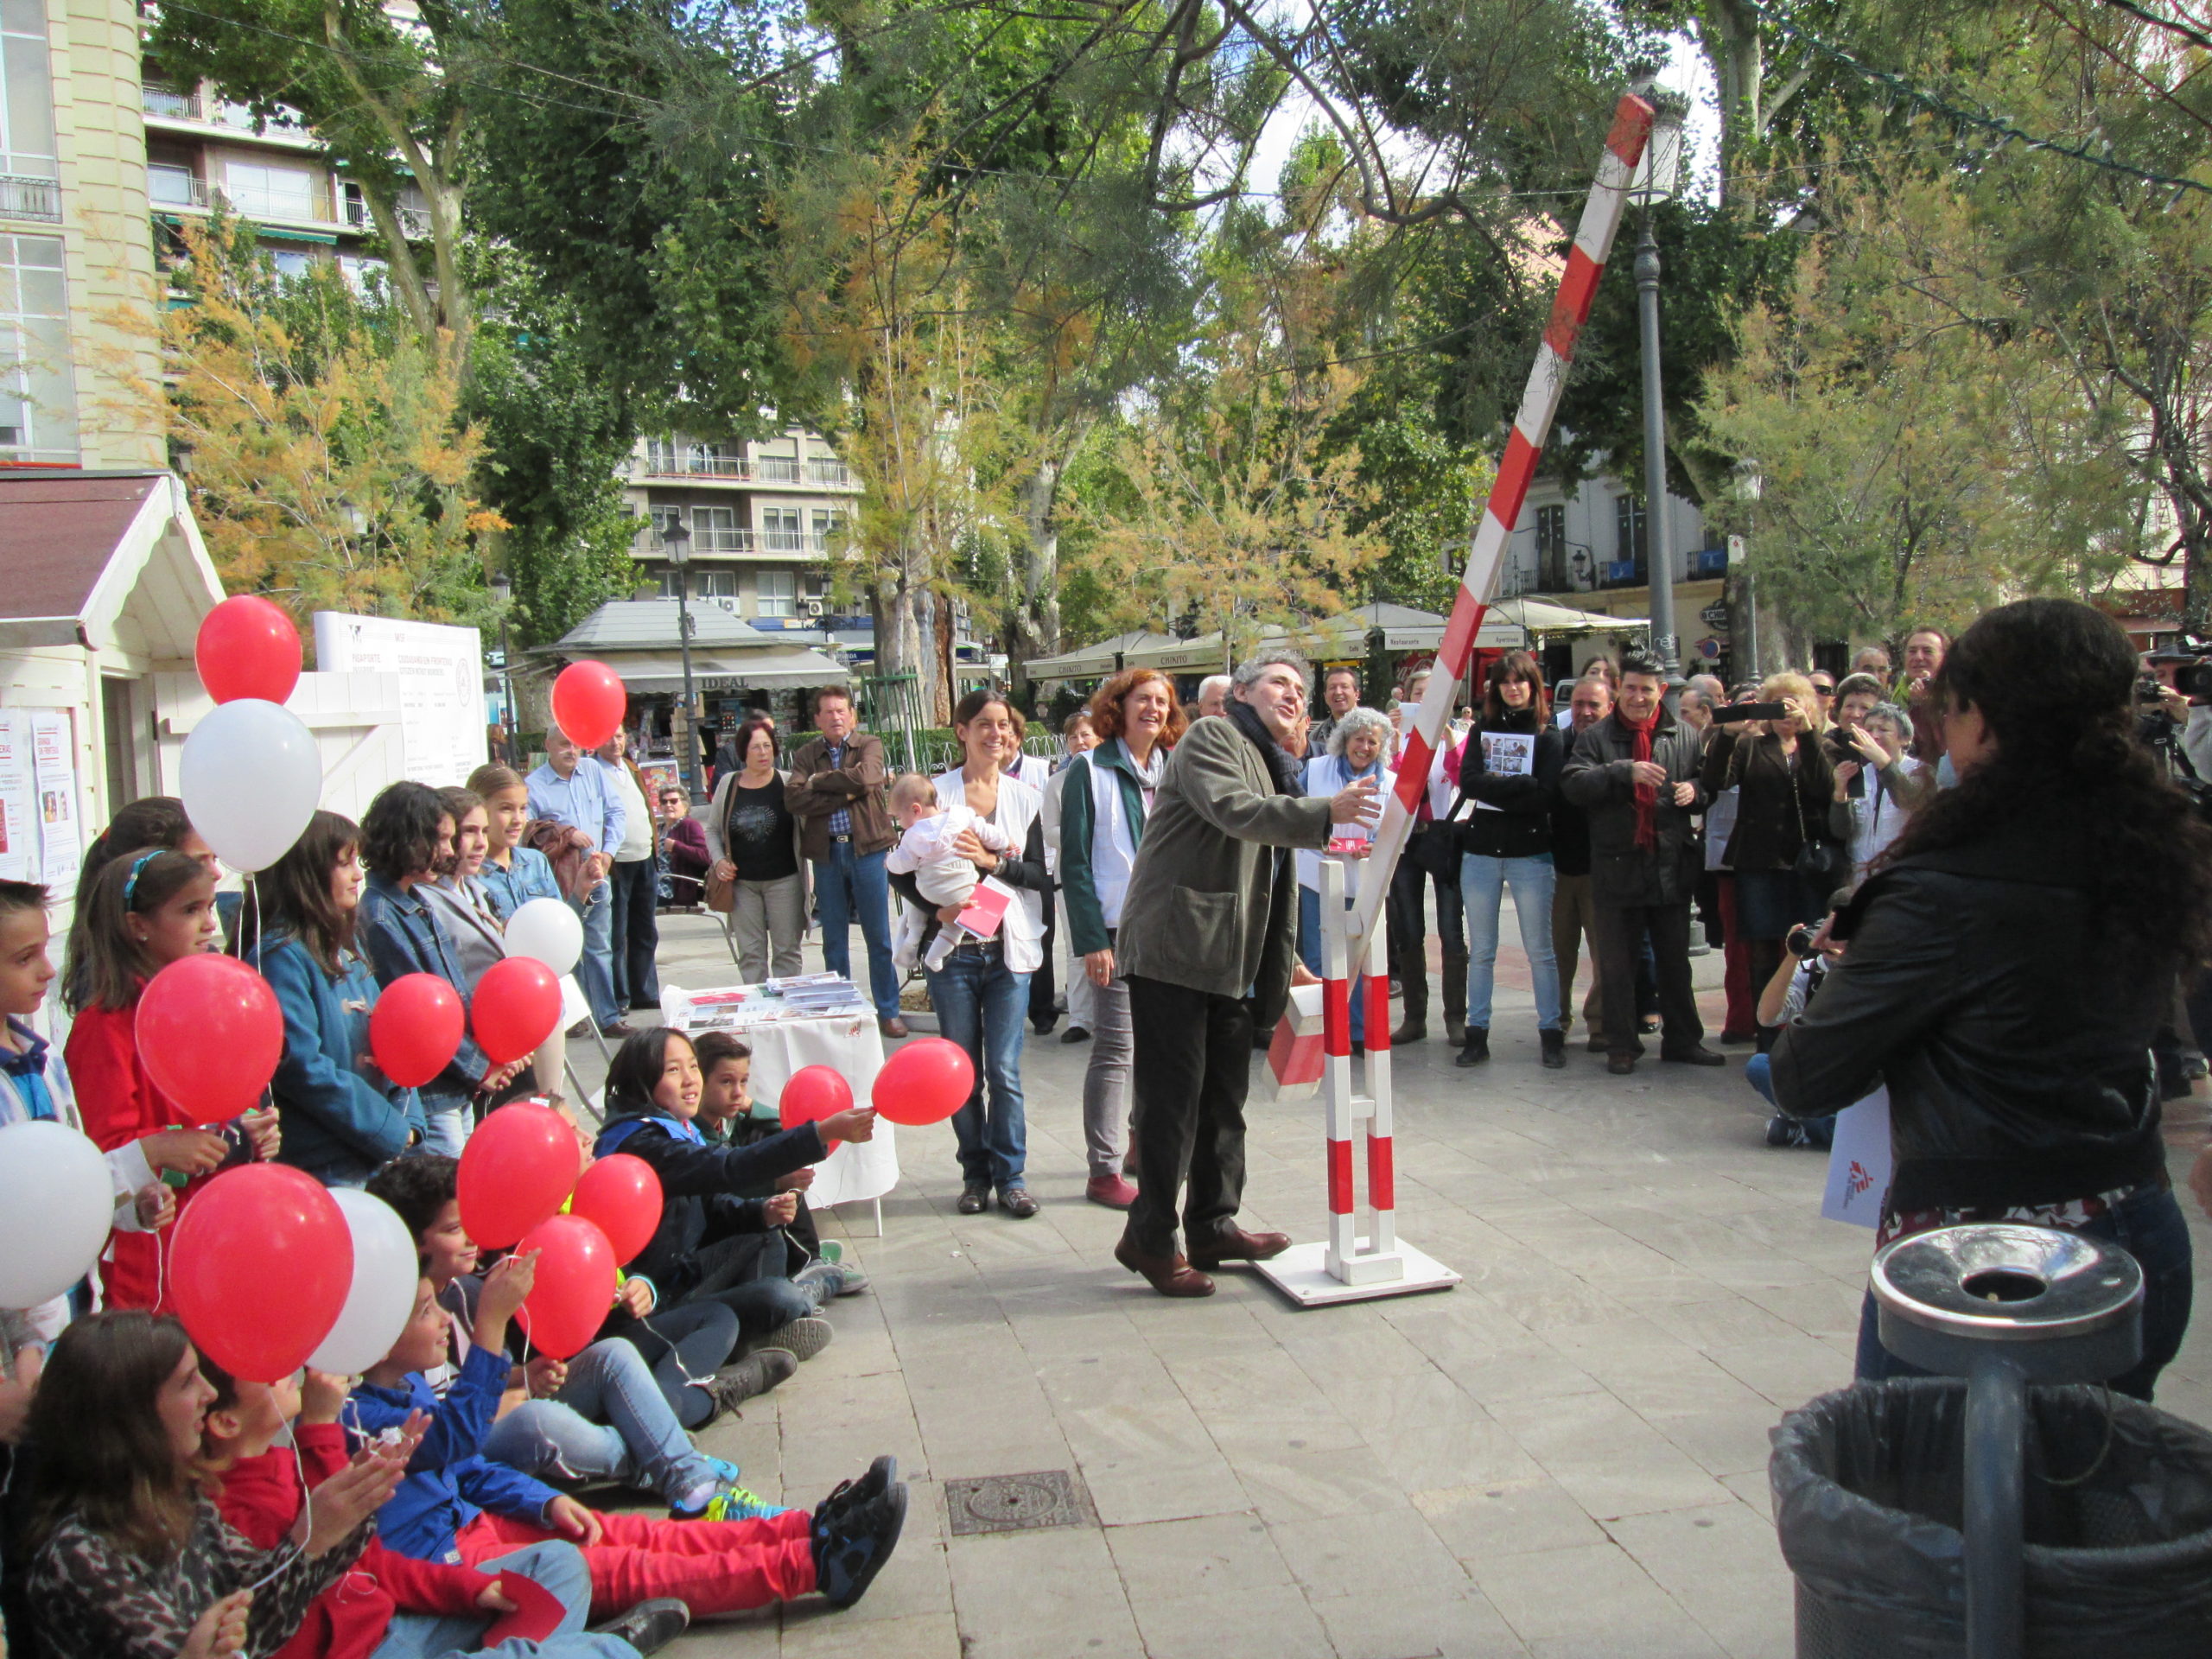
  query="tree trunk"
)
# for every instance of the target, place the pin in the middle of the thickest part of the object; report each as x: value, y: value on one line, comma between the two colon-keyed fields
x: 942, y: 711
x: 1036, y: 630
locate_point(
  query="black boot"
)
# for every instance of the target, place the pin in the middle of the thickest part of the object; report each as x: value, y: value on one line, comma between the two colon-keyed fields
x: 1554, y: 1044
x: 1476, y: 1049
x: 649, y: 1626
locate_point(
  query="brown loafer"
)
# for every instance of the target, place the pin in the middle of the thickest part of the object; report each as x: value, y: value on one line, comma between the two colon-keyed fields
x: 1237, y: 1245
x: 894, y: 1026
x: 1620, y: 1065
x: 1170, y: 1275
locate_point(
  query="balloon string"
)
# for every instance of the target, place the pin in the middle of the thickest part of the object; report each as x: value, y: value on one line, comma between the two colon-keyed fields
x: 290, y: 1553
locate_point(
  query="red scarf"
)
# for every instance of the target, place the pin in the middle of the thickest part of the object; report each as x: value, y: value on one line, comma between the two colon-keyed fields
x: 1647, y: 795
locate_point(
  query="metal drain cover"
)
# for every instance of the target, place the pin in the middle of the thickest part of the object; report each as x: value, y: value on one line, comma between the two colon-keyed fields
x: 1051, y: 1498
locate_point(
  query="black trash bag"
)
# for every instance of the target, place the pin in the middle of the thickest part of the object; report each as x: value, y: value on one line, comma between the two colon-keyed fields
x: 1868, y: 1488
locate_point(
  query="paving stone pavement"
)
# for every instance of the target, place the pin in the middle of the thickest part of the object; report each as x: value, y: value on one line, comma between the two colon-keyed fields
x: 1565, y: 1456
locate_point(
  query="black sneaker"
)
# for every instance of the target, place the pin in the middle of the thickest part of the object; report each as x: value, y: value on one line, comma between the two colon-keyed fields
x: 882, y: 1476
x: 852, y: 1543
x: 1783, y: 1131
x: 975, y: 1199
x: 1554, y: 1047
x: 649, y: 1626
x: 1477, y: 1047
x: 1075, y: 1035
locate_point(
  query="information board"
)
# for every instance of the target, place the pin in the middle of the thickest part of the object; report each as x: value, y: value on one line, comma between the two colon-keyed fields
x: 441, y: 672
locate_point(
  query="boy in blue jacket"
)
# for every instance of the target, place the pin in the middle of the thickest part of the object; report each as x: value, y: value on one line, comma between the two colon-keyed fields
x: 455, y: 1504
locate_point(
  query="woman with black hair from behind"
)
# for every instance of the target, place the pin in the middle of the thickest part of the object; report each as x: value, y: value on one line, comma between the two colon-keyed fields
x: 2012, y: 956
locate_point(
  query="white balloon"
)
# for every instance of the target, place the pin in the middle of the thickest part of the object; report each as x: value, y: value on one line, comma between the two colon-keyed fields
x: 252, y: 779
x: 382, y: 1296
x: 548, y: 930
x: 57, y: 1202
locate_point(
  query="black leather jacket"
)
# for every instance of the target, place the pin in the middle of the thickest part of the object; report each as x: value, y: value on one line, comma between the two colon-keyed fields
x: 1599, y: 779
x: 2014, y: 1040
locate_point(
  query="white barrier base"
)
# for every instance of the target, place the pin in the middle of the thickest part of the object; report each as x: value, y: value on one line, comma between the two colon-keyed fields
x: 1301, y: 1273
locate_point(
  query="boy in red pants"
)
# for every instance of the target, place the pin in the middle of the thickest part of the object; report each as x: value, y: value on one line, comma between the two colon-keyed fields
x: 456, y: 1505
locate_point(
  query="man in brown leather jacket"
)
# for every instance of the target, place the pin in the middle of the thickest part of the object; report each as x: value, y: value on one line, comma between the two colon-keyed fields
x: 837, y: 795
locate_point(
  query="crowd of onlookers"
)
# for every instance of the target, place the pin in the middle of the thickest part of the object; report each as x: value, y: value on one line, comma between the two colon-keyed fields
x: 156, y: 1505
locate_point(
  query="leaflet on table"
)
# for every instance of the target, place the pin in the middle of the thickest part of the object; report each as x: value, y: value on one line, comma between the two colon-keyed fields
x: 1506, y: 754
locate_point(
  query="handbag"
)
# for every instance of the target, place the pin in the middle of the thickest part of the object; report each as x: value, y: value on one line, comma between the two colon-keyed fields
x: 722, y: 893
x: 1821, y: 861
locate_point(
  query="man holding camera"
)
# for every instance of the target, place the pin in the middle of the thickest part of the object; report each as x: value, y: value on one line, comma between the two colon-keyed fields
x: 1635, y: 773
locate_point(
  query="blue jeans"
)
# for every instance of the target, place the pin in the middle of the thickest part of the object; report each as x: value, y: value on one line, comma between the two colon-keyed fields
x: 1309, y: 952
x: 445, y: 1131
x: 595, y: 968
x: 2150, y: 1227
x: 609, y: 1421
x: 1759, y: 1071
x: 1482, y: 881
x: 980, y: 1004
x: 846, y: 885
x: 555, y: 1565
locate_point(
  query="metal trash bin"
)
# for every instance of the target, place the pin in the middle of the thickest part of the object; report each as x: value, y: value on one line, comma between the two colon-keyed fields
x: 1941, y: 1518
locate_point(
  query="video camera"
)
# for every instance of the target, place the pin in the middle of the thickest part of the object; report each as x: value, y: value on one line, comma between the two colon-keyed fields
x: 2192, y: 664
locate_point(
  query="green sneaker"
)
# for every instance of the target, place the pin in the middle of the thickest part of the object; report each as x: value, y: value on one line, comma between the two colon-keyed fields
x: 732, y: 1502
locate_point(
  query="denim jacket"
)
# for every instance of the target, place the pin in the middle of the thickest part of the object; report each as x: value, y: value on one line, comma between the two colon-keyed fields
x: 400, y: 934
x: 335, y: 1105
x: 530, y: 876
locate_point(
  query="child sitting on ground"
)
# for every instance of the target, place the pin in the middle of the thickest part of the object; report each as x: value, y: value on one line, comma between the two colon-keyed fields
x: 944, y: 876
x: 458, y: 1505
x: 610, y: 1413
x: 393, y: 1607
x: 728, y: 1116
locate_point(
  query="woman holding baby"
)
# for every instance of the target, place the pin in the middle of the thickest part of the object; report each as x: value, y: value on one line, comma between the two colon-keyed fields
x: 980, y: 993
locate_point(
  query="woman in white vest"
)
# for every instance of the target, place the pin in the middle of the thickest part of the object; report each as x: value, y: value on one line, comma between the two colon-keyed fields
x: 1136, y: 719
x: 982, y: 992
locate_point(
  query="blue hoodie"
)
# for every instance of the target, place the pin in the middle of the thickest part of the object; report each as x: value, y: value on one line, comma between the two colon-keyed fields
x: 449, y: 1483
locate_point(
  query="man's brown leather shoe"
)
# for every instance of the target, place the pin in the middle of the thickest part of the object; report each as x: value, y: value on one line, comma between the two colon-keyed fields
x: 1170, y: 1275
x: 894, y: 1026
x: 1237, y: 1245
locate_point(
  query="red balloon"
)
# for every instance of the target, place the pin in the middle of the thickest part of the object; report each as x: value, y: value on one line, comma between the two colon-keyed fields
x: 575, y: 1285
x: 415, y: 1028
x: 517, y: 1168
x: 248, y: 648
x: 514, y: 1007
x: 259, y: 1268
x: 814, y: 1091
x: 926, y: 1082
x: 620, y: 1195
x: 210, y: 1032
x: 588, y: 702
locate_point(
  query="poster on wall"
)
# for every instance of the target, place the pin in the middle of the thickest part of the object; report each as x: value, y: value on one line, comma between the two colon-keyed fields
x: 53, y: 776
x: 441, y: 672
x: 18, y: 815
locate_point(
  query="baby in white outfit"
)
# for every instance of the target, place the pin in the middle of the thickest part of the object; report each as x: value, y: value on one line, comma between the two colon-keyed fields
x: 925, y: 848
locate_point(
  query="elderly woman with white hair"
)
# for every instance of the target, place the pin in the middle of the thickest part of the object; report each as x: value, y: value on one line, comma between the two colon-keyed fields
x: 1358, y: 744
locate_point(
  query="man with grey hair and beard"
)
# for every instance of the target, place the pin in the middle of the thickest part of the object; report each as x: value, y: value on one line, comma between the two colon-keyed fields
x: 1208, y: 944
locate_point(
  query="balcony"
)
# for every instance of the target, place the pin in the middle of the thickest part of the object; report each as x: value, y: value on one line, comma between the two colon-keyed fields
x: 175, y: 188
x: 28, y: 198
x: 667, y: 461
x: 172, y: 104
x: 414, y: 222
x: 706, y: 543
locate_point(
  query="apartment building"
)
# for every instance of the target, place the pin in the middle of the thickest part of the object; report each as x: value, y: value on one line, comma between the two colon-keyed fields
x: 761, y: 522
x: 79, y: 371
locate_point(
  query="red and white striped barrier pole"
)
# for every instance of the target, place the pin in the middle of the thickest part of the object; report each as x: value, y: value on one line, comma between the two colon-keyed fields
x: 1348, y: 1266
x: 1578, y: 285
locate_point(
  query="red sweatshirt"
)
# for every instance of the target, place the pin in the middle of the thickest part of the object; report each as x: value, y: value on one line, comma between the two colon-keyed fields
x: 119, y: 1103
x: 261, y: 1497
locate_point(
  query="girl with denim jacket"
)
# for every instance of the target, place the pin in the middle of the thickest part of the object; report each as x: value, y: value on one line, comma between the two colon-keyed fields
x: 342, y: 1117
x: 404, y: 838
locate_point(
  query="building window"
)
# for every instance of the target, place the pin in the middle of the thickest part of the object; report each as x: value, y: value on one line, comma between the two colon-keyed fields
x: 714, y: 529
x: 1551, y: 549
x: 169, y: 185
x: 38, y: 395
x: 262, y: 191
x: 715, y: 584
x: 291, y: 261
x: 776, y: 593
x: 671, y: 583
x: 829, y: 535
x: 814, y: 584
x: 27, y: 147
x: 781, y: 533
x: 664, y: 519
x: 1627, y: 532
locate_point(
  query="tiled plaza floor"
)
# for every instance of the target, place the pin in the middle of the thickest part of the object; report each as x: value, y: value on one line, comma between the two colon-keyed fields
x: 1564, y: 1456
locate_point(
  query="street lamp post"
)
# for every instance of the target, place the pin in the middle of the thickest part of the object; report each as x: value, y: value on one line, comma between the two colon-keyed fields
x: 503, y: 596
x: 677, y: 541
x: 1750, y: 484
x: 1654, y: 183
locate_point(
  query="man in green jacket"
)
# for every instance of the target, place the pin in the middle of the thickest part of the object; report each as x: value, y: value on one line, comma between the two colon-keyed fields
x: 1208, y: 942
